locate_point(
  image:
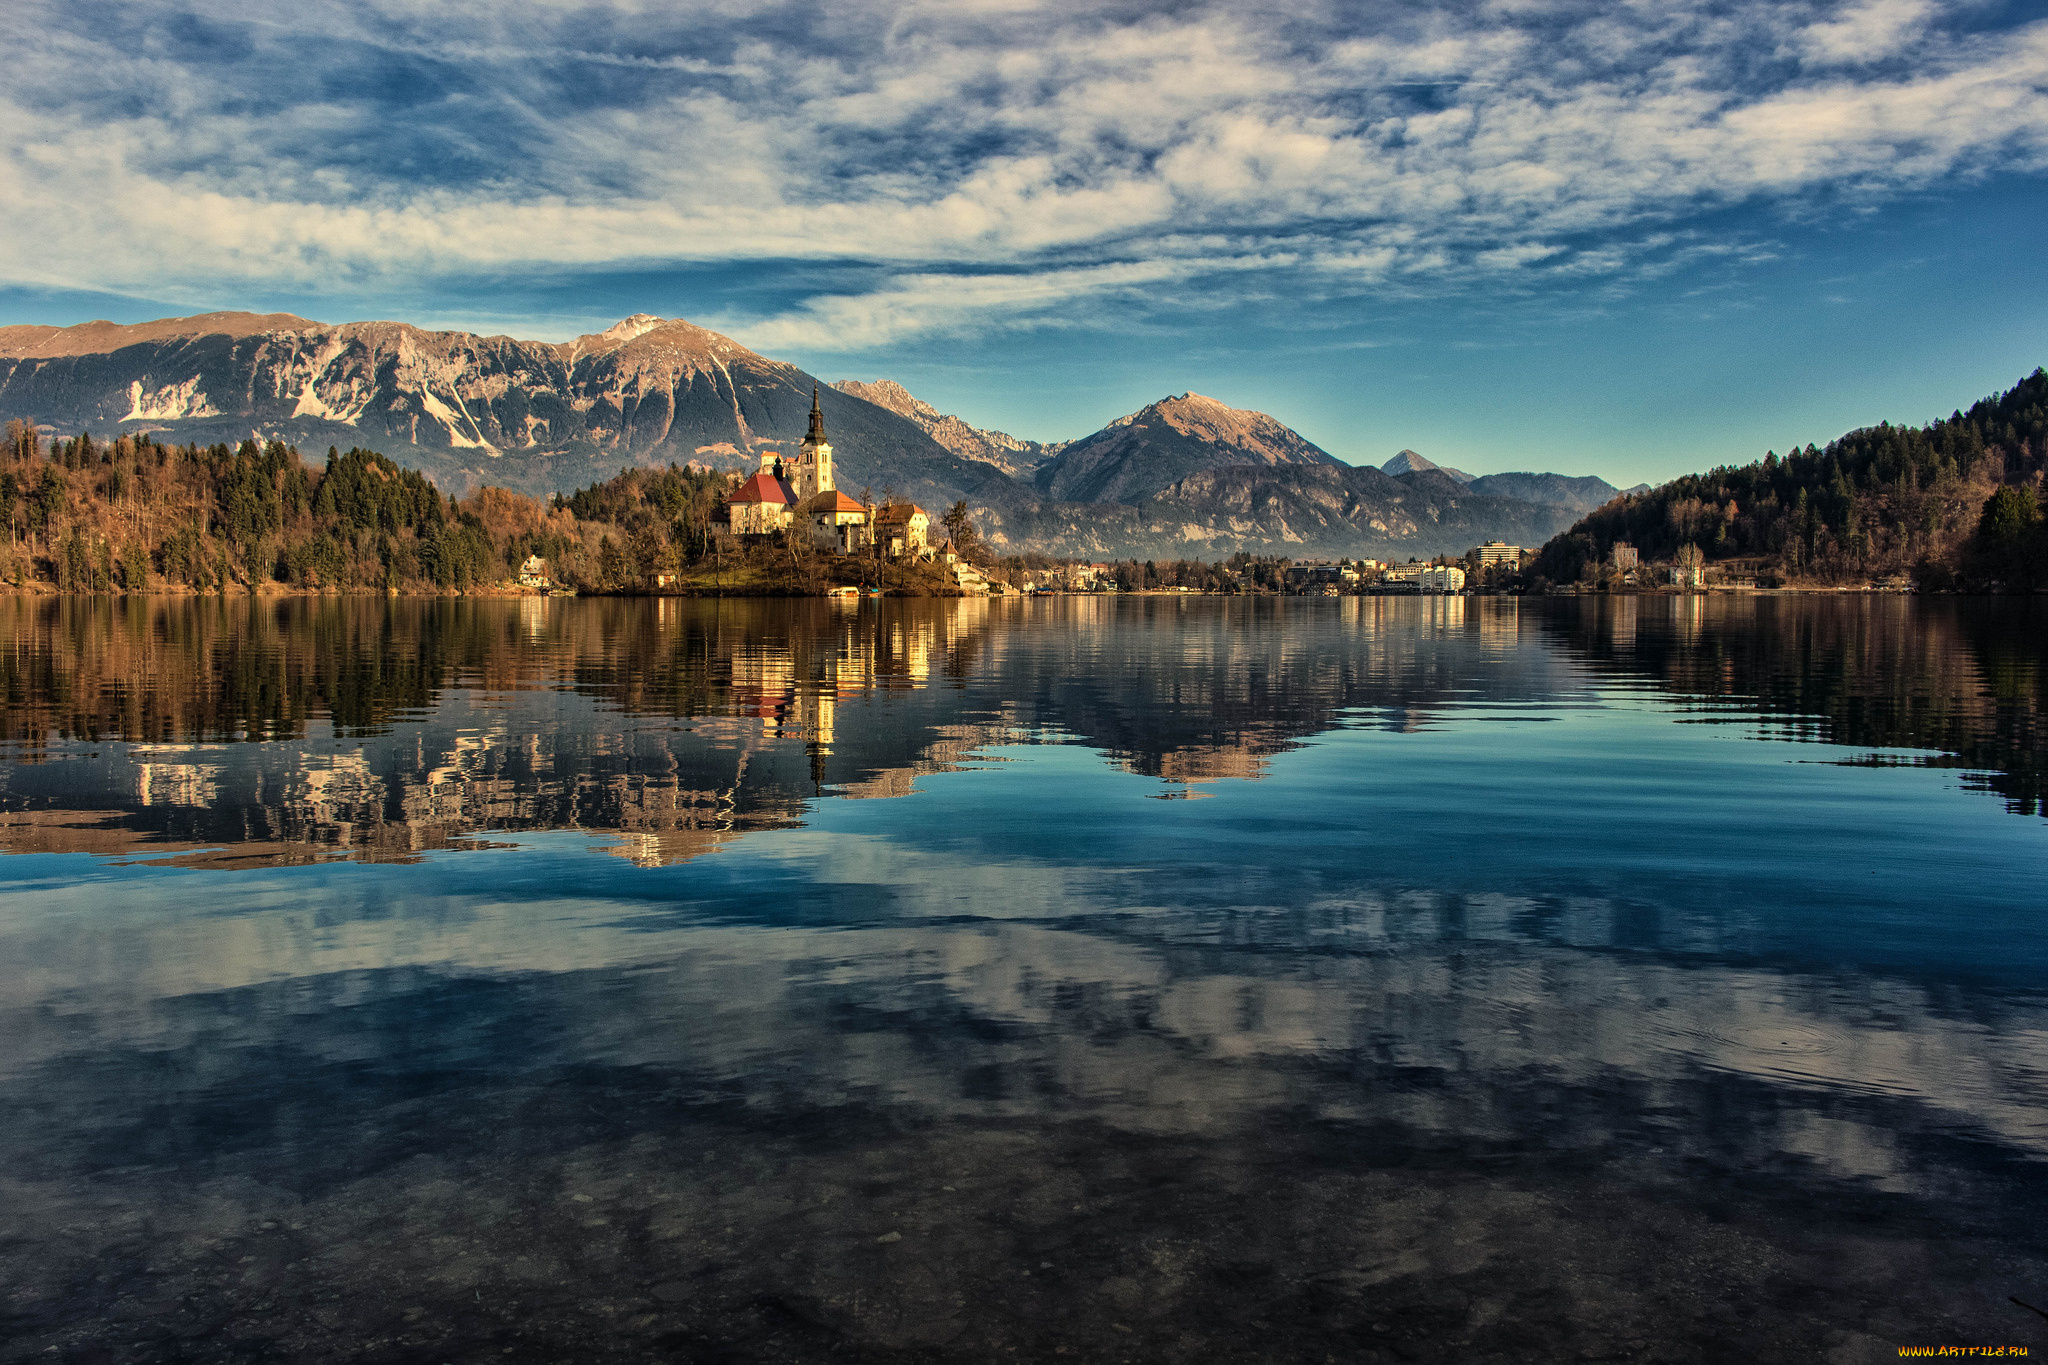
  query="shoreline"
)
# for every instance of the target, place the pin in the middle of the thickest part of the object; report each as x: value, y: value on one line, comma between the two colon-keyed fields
x: 282, y: 592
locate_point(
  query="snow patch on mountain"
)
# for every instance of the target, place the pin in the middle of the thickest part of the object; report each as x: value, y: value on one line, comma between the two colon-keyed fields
x: 171, y: 403
x: 312, y: 404
x: 342, y: 398
x: 448, y: 417
x: 625, y: 329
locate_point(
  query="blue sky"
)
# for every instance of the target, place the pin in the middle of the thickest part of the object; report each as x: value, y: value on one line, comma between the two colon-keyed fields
x: 1629, y: 239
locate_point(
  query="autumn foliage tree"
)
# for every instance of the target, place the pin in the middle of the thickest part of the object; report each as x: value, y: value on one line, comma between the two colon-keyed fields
x: 135, y: 514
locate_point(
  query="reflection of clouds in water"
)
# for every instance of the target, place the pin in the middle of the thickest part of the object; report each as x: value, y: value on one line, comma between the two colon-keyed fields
x: 1469, y: 1039
x: 1477, y: 958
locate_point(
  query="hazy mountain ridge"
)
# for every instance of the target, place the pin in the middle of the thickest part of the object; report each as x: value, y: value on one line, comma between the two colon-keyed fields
x: 1351, y: 509
x: 1582, y: 493
x: 1560, y: 490
x: 1295, y: 510
x: 1015, y: 456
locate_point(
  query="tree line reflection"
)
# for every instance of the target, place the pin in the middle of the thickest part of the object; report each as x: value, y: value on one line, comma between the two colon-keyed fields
x: 1964, y: 677
x: 271, y: 731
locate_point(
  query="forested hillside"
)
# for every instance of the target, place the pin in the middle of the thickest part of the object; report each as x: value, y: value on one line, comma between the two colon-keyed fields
x: 132, y: 515
x: 1881, y: 501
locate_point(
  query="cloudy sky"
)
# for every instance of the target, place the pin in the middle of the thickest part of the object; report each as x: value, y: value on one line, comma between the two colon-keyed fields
x: 1623, y: 238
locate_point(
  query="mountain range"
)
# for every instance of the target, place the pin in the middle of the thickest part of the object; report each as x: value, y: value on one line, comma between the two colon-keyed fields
x: 1185, y: 476
x: 536, y: 417
x: 1557, y: 490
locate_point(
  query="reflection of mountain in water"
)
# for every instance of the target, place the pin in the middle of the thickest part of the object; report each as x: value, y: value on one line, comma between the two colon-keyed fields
x: 402, y: 727
x: 391, y: 728
x: 1613, y: 1025
x: 1965, y: 677
x: 388, y: 728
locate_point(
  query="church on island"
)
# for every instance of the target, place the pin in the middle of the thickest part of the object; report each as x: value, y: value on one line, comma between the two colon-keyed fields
x: 786, y: 494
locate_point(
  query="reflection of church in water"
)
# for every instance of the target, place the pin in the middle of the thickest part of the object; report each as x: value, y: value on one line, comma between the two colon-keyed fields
x: 671, y: 727
x: 755, y: 735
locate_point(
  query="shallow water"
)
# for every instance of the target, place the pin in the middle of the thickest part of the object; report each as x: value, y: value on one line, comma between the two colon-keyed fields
x: 1132, y: 980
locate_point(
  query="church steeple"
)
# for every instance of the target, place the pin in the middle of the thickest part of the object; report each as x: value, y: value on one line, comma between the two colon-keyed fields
x: 814, y: 456
x: 817, y: 432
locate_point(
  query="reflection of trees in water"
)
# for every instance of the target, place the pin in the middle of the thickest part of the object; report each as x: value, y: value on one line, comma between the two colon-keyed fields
x: 1964, y: 676
x: 1207, y: 688
x: 676, y: 725
x: 406, y: 725
x: 204, y: 670
x: 690, y: 721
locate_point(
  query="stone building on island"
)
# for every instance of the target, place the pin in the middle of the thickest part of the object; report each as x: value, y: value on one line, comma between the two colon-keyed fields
x: 904, y: 528
x: 763, y: 504
x: 785, y: 492
x: 837, y: 519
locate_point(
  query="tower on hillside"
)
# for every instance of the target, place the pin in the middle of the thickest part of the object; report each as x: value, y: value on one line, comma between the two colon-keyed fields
x: 813, y: 472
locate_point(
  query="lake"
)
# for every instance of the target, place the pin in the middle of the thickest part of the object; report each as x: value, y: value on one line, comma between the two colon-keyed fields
x: 1143, y: 979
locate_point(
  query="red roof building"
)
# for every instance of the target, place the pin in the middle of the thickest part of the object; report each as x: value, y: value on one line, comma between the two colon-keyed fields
x: 761, y: 505
x: 834, y: 503
x: 765, y: 487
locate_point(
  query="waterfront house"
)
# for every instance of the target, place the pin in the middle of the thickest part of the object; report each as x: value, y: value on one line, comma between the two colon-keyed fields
x: 1498, y: 552
x: 1441, y: 580
x: 902, y: 529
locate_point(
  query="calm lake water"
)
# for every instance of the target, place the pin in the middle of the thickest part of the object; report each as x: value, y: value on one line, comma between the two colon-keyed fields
x: 1140, y: 980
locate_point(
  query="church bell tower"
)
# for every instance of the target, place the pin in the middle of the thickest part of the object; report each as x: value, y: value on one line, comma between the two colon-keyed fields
x: 814, y: 457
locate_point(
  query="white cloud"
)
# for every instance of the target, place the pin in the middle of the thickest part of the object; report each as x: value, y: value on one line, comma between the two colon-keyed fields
x: 1865, y: 32
x: 1508, y: 257
x: 911, y: 305
x: 1014, y: 157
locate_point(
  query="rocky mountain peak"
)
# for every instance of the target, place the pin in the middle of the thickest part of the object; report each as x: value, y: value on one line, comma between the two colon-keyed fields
x: 648, y: 336
x: 1253, y: 437
x: 1205, y: 418
x: 1408, y: 462
x: 1005, y: 452
x: 625, y: 329
x: 1163, y: 442
x: 887, y: 393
